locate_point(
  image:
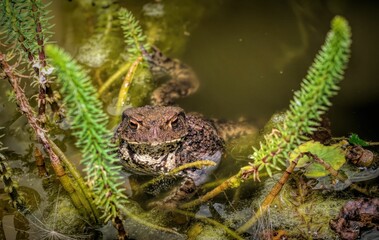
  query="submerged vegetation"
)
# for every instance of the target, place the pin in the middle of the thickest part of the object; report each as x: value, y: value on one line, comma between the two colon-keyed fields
x: 102, y: 197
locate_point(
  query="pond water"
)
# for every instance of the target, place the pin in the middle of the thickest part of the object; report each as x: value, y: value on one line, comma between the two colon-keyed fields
x: 250, y: 56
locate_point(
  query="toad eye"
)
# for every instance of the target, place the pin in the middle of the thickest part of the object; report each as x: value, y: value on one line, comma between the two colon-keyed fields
x: 175, y: 123
x: 133, y: 125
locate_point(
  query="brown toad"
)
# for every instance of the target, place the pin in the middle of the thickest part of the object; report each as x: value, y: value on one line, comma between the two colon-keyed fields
x: 156, y: 139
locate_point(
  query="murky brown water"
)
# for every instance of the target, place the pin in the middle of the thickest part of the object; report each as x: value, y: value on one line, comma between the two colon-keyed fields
x: 249, y: 55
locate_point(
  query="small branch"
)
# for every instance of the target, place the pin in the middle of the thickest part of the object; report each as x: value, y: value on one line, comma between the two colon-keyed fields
x: 44, y: 88
x: 27, y: 31
x: 270, y: 197
x: 234, y: 181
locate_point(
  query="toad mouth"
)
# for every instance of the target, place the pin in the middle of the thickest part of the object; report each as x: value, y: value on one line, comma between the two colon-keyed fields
x: 156, y: 143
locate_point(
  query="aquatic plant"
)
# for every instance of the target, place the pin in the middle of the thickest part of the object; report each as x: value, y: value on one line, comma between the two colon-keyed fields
x: 88, y: 121
x: 78, y: 198
x: 133, y: 38
x: 24, y: 25
x: 135, y: 41
x: 310, y: 102
x: 305, y: 110
x: 133, y: 35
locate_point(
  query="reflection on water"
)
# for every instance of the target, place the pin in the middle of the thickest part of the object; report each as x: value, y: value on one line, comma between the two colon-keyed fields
x: 250, y: 56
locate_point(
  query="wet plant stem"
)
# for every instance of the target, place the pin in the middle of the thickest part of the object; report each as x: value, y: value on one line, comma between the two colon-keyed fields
x: 231, y: 182
x: 211, y: 221
x: 86, y: 195
x: 122, y: 96
x: 36, y: 58
x: 124, y: 68
x: 222, y: 185
x: 41, y: 135
x: 42, y: 78
x: 270, y: 197
x: 40, y: 163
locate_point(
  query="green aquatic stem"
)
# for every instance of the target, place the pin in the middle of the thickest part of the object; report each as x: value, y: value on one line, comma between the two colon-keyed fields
x: 270, y: 197
x: 88, y: 122
x: 310, y: 102
x: 107, y: 20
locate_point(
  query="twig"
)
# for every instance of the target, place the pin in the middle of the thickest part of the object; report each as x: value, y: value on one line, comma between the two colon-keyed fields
x: 270, y: 197
x: 231, y: 182
x: 87, y: 201
x: 234, y: 181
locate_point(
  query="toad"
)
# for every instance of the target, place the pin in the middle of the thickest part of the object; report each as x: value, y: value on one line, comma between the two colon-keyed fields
x: 158, y: 138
